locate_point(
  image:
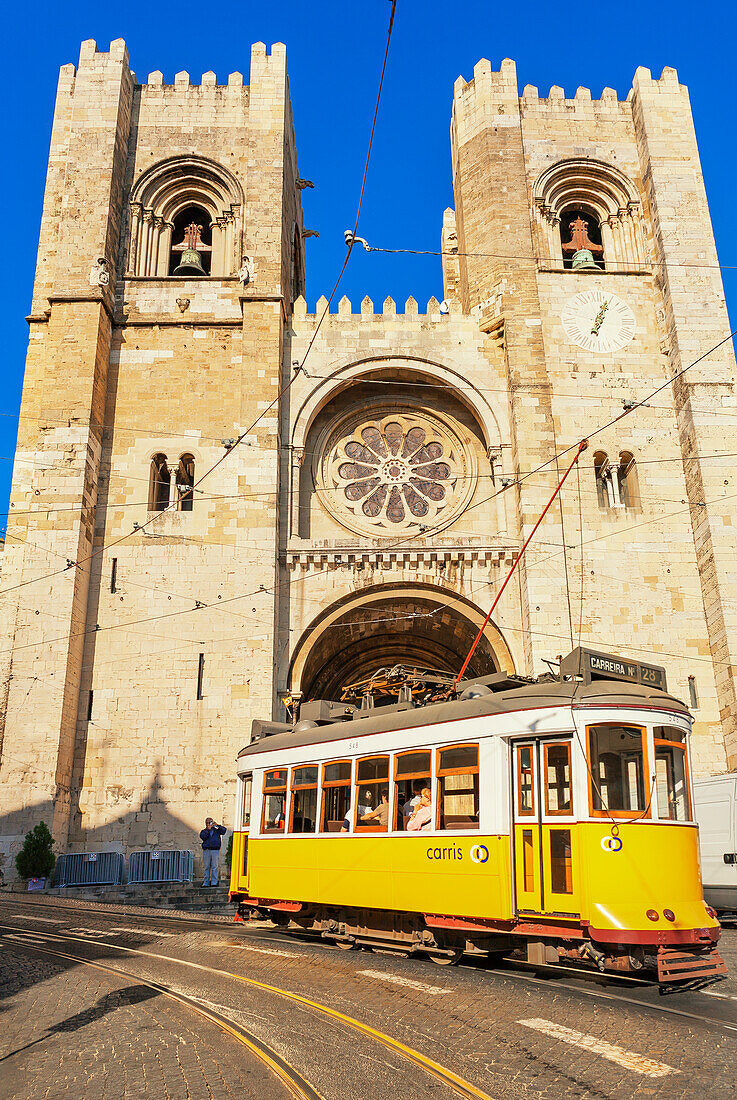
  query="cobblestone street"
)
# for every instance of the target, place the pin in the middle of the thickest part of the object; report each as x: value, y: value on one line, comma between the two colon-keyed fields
x: 76, y: 1031
x: 71, y: 1029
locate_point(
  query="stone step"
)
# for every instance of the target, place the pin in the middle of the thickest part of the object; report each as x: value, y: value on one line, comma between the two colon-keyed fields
x: 189, y: 897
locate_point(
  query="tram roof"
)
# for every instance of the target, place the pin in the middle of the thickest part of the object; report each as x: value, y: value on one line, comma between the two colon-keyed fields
x: 528, y: 697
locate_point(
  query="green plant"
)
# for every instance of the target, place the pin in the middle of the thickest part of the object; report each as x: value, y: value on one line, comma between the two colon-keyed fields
x: 36, y: 858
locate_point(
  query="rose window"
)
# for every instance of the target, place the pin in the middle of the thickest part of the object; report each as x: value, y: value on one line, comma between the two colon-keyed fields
x: 398, y: 471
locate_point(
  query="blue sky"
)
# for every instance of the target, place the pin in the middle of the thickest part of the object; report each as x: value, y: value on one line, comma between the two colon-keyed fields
x: 334, y: 50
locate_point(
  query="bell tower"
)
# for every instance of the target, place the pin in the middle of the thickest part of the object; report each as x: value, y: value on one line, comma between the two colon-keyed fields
x: 586, y: 252
x: 169, y: 259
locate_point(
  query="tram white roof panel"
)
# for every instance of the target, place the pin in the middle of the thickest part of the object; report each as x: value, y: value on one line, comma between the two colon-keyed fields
x: 548, y: 695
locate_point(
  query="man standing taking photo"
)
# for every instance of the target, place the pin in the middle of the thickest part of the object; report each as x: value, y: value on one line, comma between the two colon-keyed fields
x: 211, y: 841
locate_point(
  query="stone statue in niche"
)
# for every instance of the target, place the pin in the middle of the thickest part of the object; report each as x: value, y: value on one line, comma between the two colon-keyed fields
x: 245, y: 275
x: 100, y: 273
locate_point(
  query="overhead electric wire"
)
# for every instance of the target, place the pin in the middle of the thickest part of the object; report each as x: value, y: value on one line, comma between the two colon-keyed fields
x: 284, y: 389
x: 554, y: 260
x: 387, y: 547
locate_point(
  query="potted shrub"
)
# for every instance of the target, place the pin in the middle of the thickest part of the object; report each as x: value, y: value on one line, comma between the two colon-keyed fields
x: 35, y: 861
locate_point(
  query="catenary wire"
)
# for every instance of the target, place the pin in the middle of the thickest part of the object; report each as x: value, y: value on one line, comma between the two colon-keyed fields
x: 285, y: 388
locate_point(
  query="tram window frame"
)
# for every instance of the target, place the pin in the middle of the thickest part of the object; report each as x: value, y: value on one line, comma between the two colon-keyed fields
x: 409, y: 777
x: 531, y: 812
x: 335, y: 784
x: 669, y: 745
x: 246, y: 799
x: 607, y: 810
x: 374, y: 783
x: 274, y: 830
x: 443, y: 773
x: 547, y: 788
x: 561, y: 861
x: 294, y: 789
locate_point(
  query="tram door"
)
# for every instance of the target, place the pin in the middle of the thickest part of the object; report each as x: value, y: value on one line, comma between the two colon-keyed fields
x: 543, y: 827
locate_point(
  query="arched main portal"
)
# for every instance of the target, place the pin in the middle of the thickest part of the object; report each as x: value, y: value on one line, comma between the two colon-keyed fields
x: 416, y: 626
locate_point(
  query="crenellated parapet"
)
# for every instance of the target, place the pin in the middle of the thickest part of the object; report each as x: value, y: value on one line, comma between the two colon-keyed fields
x: 367, y: 310
x: 264, y: 65
x: 503, y: 82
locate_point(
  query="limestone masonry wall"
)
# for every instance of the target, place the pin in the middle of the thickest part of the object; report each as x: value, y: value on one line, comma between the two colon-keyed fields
x: 371, y: 510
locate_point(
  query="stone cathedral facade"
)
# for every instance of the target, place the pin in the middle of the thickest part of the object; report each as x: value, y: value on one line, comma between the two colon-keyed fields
x: 371, y: 512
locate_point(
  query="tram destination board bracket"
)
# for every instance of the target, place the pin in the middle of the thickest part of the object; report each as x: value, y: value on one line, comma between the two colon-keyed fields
x: 591, y: 665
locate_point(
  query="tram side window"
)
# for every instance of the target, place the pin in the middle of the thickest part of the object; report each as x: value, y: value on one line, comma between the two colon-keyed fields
x: 617, y: 763
x: 275, y: 799
x: 558, y: 779
x: 458, y: 787
x: 411, y: 776
x: 525, y: 781
x: 671, y: 774
x: 372, y: 794
x: 336, y: 796
x: 303, y: 806
x: 561, y: 876
x: 247, y: 781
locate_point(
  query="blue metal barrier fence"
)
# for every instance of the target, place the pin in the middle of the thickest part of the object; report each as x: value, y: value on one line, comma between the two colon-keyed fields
x: 160, y: 866
x: 89, y: 869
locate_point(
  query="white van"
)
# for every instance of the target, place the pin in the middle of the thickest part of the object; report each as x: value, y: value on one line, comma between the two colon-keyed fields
x: 716, y: 813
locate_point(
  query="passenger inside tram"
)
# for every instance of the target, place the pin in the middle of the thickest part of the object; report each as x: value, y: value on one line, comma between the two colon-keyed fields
x: 420, y: 820
x: 379, y: 816
x: 409, y: 806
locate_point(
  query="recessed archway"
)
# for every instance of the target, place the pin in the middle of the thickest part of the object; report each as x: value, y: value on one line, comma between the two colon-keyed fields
x: 418, y: 626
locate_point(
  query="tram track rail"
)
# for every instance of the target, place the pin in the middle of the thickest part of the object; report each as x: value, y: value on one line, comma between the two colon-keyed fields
x: 297, y: 1084
x: 578, y: 984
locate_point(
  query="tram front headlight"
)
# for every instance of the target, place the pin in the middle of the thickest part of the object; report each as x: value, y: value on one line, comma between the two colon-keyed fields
x: 652, y: 915
x: 669, y: 914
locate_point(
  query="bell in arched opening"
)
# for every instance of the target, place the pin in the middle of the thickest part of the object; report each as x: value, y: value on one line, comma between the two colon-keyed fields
x: 192, y: 248
x: 585, y: 242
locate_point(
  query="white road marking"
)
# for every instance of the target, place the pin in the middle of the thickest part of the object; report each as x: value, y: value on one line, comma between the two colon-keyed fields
x: 89, y: 932
x: 40, y: 920
x: 119, y: 929
x: 397, y: 979
x: 265, y: 951
x: 625, y: 1058
x: 25, y: 937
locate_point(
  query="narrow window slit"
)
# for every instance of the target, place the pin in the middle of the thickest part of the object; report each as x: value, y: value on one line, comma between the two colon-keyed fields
x: 200, y: 675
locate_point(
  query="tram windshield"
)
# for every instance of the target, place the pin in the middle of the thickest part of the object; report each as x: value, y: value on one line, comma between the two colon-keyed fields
x: 671, y: 774
x: 617, y: 763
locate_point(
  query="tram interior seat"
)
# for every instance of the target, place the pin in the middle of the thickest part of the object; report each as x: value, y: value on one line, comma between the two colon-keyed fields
x: 334, y: 826
x: 459, y: 821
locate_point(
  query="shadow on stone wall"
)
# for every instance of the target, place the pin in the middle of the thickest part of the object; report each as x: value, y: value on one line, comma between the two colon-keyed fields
x: 149, y: 825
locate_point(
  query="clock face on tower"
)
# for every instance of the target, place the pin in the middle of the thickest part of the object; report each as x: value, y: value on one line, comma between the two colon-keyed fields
x: 597, y: 321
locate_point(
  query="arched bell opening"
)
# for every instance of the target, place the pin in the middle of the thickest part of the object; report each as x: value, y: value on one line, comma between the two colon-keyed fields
x: 581, y: 239
x: 417, y: 628
x: 191, y: 250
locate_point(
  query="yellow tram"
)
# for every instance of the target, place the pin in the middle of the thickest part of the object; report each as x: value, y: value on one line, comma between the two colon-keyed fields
x: 557, y: 823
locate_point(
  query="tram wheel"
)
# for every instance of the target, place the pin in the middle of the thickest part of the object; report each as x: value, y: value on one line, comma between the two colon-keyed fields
x: 447, y: 960
x: 347, y: 945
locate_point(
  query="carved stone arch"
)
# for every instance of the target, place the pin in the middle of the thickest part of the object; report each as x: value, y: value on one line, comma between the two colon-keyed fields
x: 443, y: 434
x: 166, y: 189
x: 378, y: 367
x: 601, y: 190
x: 417, y: 625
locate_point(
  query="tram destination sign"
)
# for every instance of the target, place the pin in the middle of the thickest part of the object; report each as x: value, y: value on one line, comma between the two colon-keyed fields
x: 591, y: 665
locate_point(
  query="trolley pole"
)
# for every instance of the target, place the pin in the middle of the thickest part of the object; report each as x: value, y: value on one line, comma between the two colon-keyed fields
x: 581, y: 448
